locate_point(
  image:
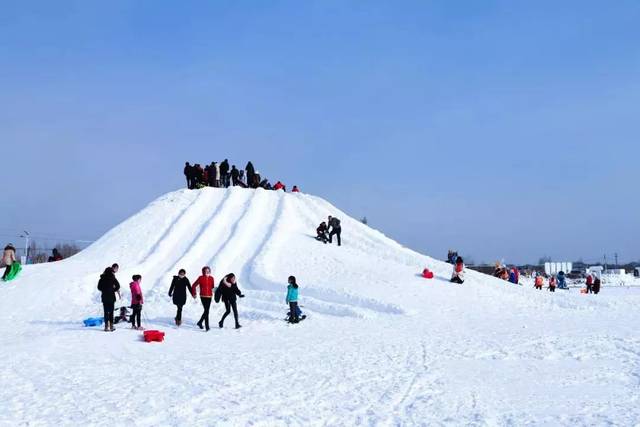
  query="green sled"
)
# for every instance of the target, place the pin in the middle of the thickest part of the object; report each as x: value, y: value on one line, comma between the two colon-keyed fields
x: 13, y: 271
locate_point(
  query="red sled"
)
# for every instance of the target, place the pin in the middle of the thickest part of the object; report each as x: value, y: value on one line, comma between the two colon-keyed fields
x: 427, y: 274
x: 151, y: 336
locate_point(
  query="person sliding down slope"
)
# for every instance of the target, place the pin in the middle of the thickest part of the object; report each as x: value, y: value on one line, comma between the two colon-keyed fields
x: 292, y: 300
x: 205, y: 282
x: 109, y: 286
x: 8, y: 258
x: 227, y: 291
x: 178, y: 290
x: 458, y: 271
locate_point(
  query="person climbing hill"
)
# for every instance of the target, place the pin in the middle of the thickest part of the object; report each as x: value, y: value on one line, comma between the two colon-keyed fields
x: 136, y: 301
x: 292, y: 299
x: 335, y: 229
x: 108, y: 285
x: 458, y: 271
x: 178, y: 291
x: 206, y: 284
x: 227, y: 291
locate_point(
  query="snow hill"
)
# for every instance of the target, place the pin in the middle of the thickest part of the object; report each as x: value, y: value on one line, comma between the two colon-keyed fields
x: 381, y: 346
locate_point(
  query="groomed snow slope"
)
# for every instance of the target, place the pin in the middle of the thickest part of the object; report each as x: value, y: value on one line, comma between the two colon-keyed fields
x: 381, y: 346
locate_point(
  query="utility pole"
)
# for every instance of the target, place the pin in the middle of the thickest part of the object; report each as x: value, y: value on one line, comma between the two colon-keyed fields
x: 26, y: 246
x: 605, y: 262
x: 616, y: 257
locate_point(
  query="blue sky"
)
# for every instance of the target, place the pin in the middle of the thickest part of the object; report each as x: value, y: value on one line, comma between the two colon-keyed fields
x: 504, y: 129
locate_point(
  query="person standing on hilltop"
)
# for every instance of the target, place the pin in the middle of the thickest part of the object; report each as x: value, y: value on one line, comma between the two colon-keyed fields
x: 188, y: 173
x: 212, y: 175
x: 251, y: 172
x: 235, y: 175
x: 224, y: 173
x: 333, y: 224
x: 217, y: 182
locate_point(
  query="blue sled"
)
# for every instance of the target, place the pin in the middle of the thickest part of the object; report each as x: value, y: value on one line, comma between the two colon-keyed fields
x: 93, y: 321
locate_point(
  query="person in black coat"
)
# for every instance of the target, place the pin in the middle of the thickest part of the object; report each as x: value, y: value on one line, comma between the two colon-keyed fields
x: 224, y: 173
x: 109, y: 286
x: 178, y: 290
x: 596, y: 285
x: 227, y: 292
x: 251, y: 172
x: 336, y: 229
x: 235, y: 175
x: 188, y: 173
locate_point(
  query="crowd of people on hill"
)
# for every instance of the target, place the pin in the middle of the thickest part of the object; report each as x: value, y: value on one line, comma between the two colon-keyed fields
x: 222, y: 175
x: 180, y: 289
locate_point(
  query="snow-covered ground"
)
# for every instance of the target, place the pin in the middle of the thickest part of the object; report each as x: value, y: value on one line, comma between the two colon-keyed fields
x: 381, y: 346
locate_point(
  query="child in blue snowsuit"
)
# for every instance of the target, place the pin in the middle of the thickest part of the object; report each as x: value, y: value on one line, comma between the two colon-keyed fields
x: 292, y: 300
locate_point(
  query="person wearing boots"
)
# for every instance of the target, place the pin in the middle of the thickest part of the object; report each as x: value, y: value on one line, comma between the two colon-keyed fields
x: 108, y: 285
x: 178, y: 291
x: 227, y: 291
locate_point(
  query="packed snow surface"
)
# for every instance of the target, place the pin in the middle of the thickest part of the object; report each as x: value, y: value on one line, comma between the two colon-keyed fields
x: 381, y: 345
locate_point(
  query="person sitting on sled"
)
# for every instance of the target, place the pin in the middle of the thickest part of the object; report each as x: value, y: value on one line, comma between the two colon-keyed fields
x: 292, y: 300
x: 458, y: 271
x: 122, y: 317
x: 8, y: 258
x: 321, y: 232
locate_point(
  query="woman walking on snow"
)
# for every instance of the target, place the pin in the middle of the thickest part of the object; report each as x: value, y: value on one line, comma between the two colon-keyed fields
x: 178, y: 290
x: 136, y: 301
x: 205, y: 282
x: 552, y: 283
x: 109, y: 286
x: 292, y: 300
x: 227, y: 292
x: 458, y: 271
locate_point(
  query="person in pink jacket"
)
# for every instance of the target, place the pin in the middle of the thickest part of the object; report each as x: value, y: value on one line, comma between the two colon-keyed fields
x: 136, y: 301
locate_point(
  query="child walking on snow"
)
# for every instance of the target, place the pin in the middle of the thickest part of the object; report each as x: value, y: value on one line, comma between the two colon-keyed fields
x: 136, y: 301
x: 292, y: 300
x: 552, y: 283
x: 539, y: 282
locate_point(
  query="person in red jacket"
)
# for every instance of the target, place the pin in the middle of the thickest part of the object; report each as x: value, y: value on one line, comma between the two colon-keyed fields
x: 279, y: 186
x: 295, y: 189
x: 589, y: 283
x: 205, y: 282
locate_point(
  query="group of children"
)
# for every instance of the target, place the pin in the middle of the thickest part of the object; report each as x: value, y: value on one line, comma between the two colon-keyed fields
x: 227, y: 291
